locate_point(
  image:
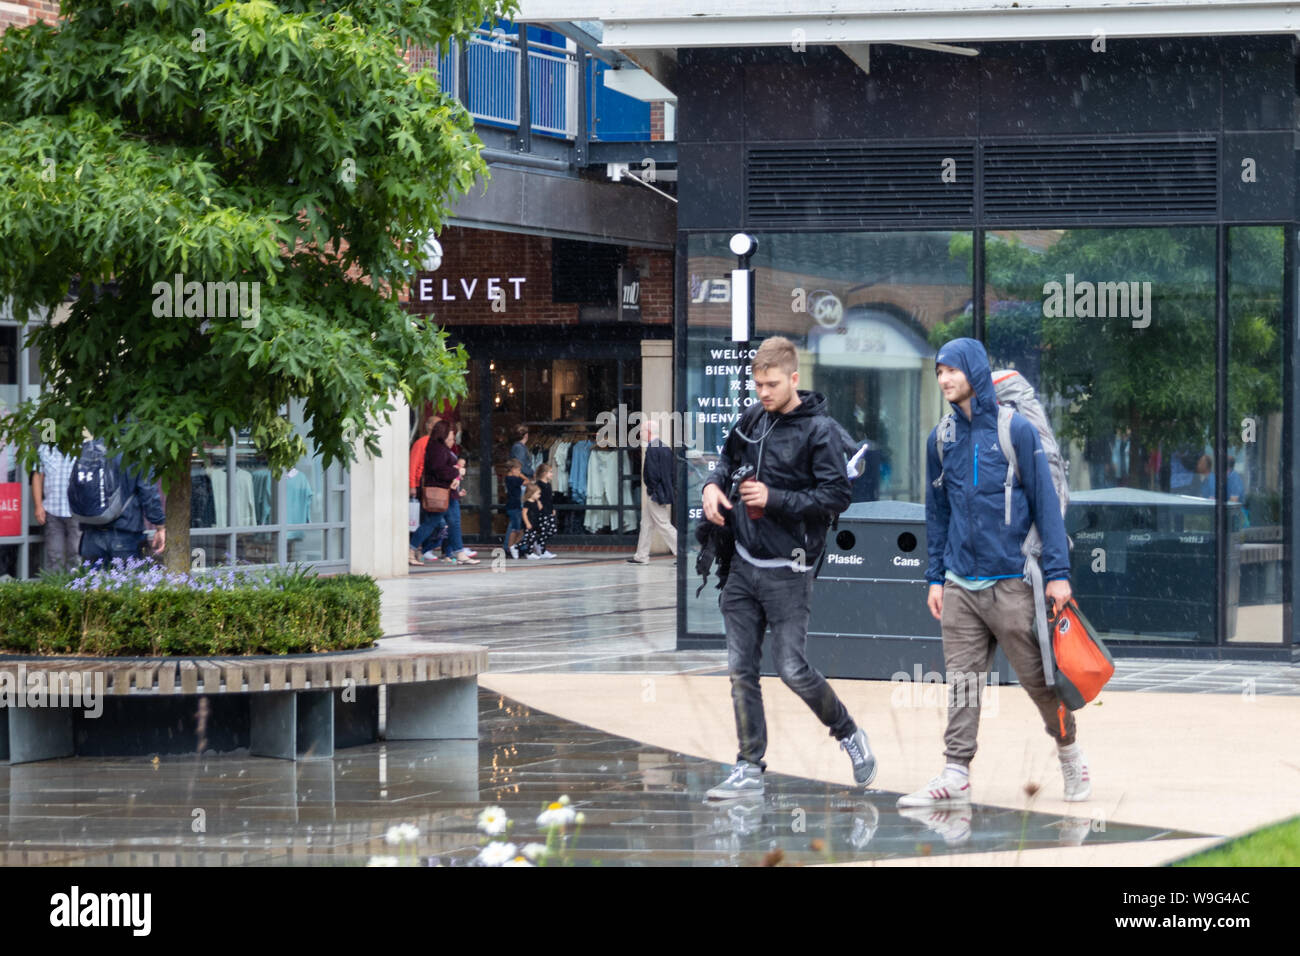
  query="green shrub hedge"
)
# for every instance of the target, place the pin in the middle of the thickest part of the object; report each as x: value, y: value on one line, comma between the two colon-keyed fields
x: 308, y: 614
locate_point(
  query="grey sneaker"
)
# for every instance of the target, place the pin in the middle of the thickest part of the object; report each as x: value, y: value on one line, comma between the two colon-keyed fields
x: 859, y: 751
x: 745, y: 780
x: 866, y: 820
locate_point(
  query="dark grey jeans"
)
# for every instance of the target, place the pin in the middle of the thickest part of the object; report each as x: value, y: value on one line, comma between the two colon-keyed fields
x: 62, y: 542
x: 753, y: 599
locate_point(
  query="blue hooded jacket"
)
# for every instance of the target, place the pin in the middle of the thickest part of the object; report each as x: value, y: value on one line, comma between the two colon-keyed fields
x: 965, y: 522
x: 142, y: 501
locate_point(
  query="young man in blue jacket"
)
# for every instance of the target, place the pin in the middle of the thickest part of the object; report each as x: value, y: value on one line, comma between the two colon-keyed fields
x: 977, y: 570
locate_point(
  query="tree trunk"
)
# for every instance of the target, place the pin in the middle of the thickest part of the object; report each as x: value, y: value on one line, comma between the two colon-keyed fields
x: 1137, y: 456
x: 176, y: 556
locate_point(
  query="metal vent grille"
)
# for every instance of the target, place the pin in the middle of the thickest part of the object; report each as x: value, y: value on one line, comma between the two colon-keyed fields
x: 1130, y: 181
x: 858, y: 184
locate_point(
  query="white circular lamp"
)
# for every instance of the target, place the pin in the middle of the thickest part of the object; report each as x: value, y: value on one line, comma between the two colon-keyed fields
x: 743, y: 244
x: 431, y: 250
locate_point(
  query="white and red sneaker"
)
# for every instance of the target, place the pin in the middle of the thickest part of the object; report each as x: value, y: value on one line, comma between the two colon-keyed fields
x: 1074, y: 768
x: 949, y: 789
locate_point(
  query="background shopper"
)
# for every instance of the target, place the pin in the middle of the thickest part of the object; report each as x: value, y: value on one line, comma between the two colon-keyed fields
x: 124, y: 537
x: 656, y: 495
x: 50, y: 495
x: 514, y: 505
x: 441, y: 470
x: 533, y: 544
x: 430, y: 523
x: 520, y: 450
x: 546, y: 521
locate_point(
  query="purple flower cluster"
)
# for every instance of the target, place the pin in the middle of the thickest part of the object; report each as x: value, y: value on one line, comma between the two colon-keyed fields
x: 142, y: 574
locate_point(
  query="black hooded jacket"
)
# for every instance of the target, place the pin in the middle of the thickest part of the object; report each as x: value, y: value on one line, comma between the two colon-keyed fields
x: 800, y: 457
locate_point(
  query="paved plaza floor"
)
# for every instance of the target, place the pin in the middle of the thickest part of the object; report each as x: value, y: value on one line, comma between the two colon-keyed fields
x: 585, y: 695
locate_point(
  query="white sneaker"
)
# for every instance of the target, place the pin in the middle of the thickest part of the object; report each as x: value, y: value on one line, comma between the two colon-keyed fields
x: 547, y: 554
x: 1074, y: 769
x: 534, y: 556
x: 430, y: 556
x: 949, y: 789
x: 514, y: 552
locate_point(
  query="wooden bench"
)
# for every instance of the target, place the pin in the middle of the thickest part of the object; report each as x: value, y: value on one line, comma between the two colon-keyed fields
x: 294, y: 707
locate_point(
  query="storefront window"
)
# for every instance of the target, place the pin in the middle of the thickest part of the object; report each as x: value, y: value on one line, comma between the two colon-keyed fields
x: 596, y: 485
x: 1115, y: 328
x: 304, y: 496
x: 1255, y: 427
x: 866, y: 312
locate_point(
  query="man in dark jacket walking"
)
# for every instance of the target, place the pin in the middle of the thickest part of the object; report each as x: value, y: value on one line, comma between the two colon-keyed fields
x: 656, y: 495
x: 978, y: 588
x: 124, y: 537
x: 787, y: 462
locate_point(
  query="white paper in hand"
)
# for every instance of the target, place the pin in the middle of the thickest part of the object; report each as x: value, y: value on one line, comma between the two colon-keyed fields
x: 853, y: 462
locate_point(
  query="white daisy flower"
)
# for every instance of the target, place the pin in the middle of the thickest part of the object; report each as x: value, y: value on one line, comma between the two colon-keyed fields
x: 493, y: 821
x: 534, y: 851
x: 402, y: 833
x: 383, y: 861
x: 496, y: 853
x: 517, y: 861
x: 556, y: 814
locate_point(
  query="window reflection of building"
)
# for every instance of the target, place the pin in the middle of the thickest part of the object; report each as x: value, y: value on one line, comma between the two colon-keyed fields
x: 862, y: 309
x: 874, y: 370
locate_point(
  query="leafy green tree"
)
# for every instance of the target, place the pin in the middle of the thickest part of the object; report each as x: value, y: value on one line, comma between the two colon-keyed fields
x: 283, y: 144
x: 1152, y: 385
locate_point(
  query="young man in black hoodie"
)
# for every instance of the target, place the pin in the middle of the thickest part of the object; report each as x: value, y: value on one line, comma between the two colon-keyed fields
x: 789, y: 455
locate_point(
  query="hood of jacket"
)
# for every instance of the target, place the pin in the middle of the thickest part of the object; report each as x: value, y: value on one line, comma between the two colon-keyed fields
x: 810, y: 404
x: 969, y: 356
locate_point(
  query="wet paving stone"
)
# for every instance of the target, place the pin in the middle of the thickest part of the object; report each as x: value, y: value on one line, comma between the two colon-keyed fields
x: 644, y: 806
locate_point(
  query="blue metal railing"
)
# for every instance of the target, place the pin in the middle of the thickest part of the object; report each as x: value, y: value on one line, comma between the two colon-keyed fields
x: 493, y: 93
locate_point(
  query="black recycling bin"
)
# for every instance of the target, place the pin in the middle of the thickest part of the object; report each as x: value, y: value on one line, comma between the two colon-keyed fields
x: 869, y: 618
x: 1142, y: 566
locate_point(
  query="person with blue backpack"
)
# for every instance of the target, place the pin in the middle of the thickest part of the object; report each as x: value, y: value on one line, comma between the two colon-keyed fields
x: 111, y: 504
x: 995, y: 530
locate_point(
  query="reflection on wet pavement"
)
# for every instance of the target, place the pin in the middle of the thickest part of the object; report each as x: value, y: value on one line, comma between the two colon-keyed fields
x: 644, y: 807
x: 606, y: 616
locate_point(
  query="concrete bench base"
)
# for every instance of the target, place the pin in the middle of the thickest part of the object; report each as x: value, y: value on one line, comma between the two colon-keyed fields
x: 271, y: 710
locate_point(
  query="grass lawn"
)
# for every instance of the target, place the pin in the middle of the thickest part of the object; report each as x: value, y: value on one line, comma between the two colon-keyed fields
x: 1276, y: 845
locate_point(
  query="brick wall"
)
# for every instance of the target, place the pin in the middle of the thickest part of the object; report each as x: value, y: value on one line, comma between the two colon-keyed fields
x: 657, y: 120
x: 476, y: 260
x: 20, y: 13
